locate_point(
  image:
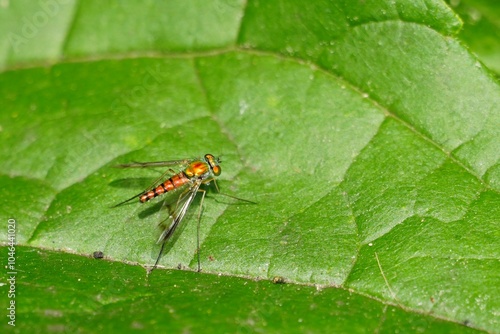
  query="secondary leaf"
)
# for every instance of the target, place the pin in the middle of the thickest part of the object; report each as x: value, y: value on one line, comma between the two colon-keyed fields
x: 96, y: 295
x: 481, y: 30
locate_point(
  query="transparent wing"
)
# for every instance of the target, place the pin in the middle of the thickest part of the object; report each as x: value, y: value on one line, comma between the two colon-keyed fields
x: 177, y: 215
x: 169, y: 163
x: 181, y: 164
x: 168, y: 173
x: 182, y: 206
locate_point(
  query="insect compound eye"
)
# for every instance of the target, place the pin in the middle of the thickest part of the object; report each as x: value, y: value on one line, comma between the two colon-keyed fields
x: 209, y: 158
x: 214, y: 164
x: 216, y: 170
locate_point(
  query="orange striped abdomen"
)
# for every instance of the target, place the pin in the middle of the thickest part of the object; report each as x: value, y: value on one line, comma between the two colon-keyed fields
x: 176, y: 181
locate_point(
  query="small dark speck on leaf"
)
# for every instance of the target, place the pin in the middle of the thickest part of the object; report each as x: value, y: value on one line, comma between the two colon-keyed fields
x: 98, y: 255
x: 278, y: 280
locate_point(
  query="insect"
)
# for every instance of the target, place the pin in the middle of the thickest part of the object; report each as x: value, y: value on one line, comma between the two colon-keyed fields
x: 186, y: 183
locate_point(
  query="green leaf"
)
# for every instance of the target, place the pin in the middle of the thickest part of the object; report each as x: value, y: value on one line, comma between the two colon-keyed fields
x: 366, y: 133
x: 481, y: 30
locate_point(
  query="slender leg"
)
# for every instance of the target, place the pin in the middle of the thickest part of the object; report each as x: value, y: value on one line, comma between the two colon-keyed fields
x: 159, y: 256
x: 198, y: 227
x: 167, y: 233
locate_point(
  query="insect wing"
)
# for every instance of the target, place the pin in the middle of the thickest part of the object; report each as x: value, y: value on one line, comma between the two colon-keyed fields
x: 177, y: 215
x: 153, y: 164
x: 165, y: 175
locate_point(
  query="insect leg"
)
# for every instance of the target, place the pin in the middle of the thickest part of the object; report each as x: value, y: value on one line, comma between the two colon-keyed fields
x: 198, y: 227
